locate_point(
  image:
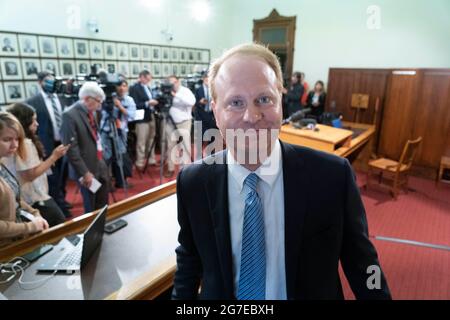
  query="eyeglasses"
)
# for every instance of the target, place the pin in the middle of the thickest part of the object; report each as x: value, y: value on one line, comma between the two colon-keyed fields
x: 96, y: 100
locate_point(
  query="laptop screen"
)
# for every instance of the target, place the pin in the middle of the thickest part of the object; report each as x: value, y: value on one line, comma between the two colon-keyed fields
x: 93, y: 236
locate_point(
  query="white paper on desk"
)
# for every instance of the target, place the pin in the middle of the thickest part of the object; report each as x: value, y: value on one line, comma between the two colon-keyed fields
x: 139, y: 115
x: 95, y: 185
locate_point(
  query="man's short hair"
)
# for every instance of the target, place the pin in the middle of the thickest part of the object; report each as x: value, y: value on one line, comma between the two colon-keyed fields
x: 44, y: 74
x: 247, y: 49
x: 91, y: 89
x: 144, y: 73
x: 173, y: 76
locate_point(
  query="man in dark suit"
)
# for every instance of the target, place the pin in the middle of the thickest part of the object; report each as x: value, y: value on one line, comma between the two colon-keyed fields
x: 49, y: 109
x: 80, y: 129
x: 145, y: 128
x: 202, y: 110
x: 266, y: 219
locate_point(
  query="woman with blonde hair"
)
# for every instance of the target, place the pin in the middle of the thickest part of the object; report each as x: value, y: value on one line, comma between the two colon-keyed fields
x: 12, y: 223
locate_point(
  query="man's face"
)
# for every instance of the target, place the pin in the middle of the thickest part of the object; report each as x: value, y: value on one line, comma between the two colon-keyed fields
x: 247, y: 98
x: 145, y: 79
x: 206, y: 81
x: 175, y: 82
x: 92, y: 103
x: 48, y: 80
x: 122, y: 89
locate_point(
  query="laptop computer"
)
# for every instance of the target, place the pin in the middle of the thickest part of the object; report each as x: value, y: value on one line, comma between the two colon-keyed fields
x: 71, y: 254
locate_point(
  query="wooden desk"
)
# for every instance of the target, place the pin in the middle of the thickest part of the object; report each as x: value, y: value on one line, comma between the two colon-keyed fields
x: 137, y: 262
x: 346, y: 142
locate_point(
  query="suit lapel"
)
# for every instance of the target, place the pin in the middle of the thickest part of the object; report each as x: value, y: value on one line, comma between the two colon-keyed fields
x: 217, y: 194
x: 295, y: 180
x: 84, y: 118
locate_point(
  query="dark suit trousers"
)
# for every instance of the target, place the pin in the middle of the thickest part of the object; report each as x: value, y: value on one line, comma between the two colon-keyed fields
x: 96, y: 201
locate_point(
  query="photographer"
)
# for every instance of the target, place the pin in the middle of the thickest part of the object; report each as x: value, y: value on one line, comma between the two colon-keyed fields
x: 181, y: 114
x: 122, y: 111
x: 145, y: 128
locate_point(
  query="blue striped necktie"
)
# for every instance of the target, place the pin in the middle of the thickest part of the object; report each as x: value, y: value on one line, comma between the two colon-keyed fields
x: 252, y: 279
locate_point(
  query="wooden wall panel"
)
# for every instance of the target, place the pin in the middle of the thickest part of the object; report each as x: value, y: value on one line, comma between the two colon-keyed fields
x: 398, y: 114
x: 433, y: 116
x: 411, y: 105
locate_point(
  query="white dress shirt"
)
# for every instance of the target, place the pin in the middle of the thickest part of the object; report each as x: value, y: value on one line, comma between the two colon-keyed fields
x: 271, y: 191
x: 48, y: 104
x: 183, y: 101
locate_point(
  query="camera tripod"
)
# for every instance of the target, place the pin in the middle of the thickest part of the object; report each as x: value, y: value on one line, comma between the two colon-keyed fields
x: 116, y: 155
x: 163, y: 116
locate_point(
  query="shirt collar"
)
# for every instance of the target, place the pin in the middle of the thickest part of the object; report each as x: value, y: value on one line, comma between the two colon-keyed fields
x: 267, y: 172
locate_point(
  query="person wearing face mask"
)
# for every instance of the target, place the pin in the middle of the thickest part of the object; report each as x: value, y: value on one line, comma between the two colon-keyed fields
x: 80, y: 129
x: 49, y: 109
x: 12, y: 224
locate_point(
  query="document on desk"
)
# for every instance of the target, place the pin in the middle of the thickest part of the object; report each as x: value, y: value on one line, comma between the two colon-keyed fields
x: 95, y: 185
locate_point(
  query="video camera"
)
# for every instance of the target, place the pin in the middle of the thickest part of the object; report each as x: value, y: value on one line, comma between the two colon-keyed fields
x: 163, y: 93
x: 108, y: 82
x: 194, y: 81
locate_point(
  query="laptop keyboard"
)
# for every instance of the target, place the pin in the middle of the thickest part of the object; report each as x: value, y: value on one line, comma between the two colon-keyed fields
x: 73, y: 258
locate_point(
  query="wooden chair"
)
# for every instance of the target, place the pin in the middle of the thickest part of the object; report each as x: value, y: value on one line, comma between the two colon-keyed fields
x: 395, y: 171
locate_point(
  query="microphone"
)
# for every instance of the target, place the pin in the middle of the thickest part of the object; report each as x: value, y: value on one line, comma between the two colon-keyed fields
x: 296, y: 116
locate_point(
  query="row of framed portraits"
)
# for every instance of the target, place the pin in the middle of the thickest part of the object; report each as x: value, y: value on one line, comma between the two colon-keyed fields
x: 28, y: 68
x: 39, y: 46
x: 18, y: 91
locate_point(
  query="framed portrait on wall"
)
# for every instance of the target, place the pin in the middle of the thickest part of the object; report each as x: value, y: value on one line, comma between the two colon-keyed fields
x: 31, y: 89
x: 2, y: 95
x: 183, y: 54
x: 134, y: 52
x: 14, y: 92
x: 198, y: 56
x: 146, y: 53
x: 183, y: 70
x: 28, y: 45
x: 111, y: 66
x: 165, y: 54
x: 135, y: 69
x: 81, y: 48
x: 146, y: 66
x: 30, y: 68
x: 124, y: 68
x: 174, y: 52
x: 122, y: 51
x: 156, y: 70
x: 8, y: 44
x: 97, y: 64
x: 65, y: 48
x: 96, y: 49
x: 110, y: 50
x: 191, y: 54
x: 175, y: 69
x: 47, y: 47
x: 156, y: 53
x: 50, y: 65
x: 67, y: 68
x: 83, y: 67
x: 166, y: 69
x: 11, y: 69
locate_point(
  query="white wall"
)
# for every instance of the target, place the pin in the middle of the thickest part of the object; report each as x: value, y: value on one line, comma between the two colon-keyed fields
x: 125, y: 20
x: 333, y: 33
x: 330, y: 33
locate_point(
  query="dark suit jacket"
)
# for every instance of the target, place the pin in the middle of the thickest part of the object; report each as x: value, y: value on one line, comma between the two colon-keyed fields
x: 82, y: 154
x: 316, y: 111
x: 137, y: 92
x: 45, y: 129
x: 325, y: 223
x: 200, y: 114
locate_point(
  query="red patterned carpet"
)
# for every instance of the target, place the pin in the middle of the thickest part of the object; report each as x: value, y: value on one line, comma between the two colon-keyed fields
x: 423, y: 215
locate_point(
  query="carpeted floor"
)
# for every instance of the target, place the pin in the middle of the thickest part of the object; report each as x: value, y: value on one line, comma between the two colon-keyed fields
x: 423, y: 214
